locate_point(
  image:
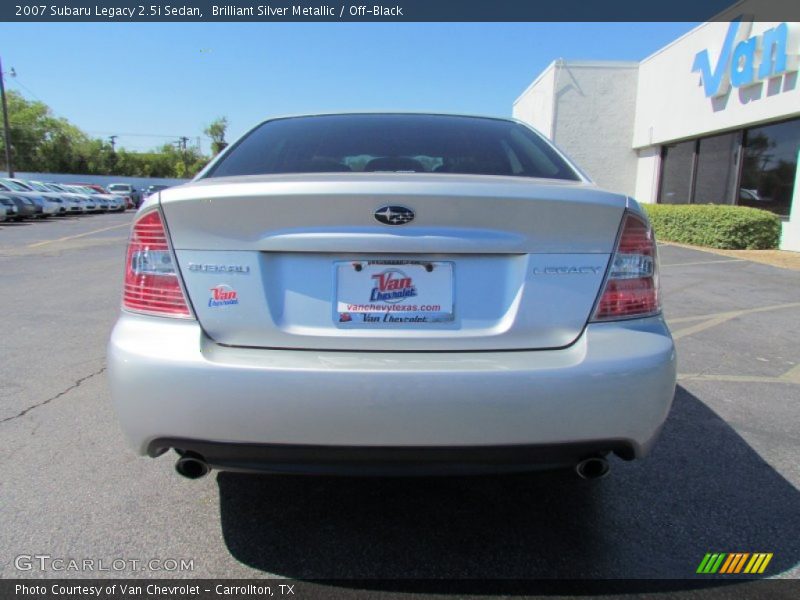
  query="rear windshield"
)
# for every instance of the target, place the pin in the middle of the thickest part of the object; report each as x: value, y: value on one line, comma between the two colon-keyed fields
x: 119, y: 187
x: 393, y: 143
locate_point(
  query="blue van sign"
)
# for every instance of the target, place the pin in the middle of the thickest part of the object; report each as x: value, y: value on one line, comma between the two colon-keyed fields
x: 745, y: 60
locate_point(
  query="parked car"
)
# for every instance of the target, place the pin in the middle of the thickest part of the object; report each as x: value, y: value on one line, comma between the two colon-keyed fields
x: 29, y: 186
x: 100, y: 201
x: 91, y: 200
x: 11, y: 186
x: 126, y: 189
x: 26, y: 209
x: 127, y: 201
x: 87, y: 204
x: 112, y: 202
x: 391, y: 293
x: 66, y: 201
x: 78, y: 204
x: 97, y: 188
x: 154, y: 189
x: 9, y: 206
x: 45, y: 208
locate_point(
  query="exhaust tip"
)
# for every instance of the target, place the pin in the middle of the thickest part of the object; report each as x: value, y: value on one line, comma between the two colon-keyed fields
x: 192, y: 467
x: 592, y: 468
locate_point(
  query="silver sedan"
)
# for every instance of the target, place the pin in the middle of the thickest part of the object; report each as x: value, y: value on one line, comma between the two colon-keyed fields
x: 391, y: 293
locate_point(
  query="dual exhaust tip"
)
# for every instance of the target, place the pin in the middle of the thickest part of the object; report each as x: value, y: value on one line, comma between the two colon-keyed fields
x: 595, y: 467
x: 193, y: 466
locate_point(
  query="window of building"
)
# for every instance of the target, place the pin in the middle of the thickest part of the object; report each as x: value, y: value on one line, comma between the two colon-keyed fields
x: 708, y: 170
x: 717, y: 168
x: 769, y: 166
x: 677, y: 170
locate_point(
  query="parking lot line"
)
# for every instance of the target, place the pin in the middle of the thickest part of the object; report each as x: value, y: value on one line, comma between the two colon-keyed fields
x: 79, y: 235
x: 736, y: 378
x: 715, y: 319
x: 703, y: 262
x: 792, y: 375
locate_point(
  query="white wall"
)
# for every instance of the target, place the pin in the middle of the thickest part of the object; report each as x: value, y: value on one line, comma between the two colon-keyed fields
x: 790, y: 238
x: 535, y: 104
x: 587, y: 108
x: 593, y: 120
x: 647, y: 172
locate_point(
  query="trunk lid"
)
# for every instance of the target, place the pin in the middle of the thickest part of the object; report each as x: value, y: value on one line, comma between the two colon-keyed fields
x: 488, y: 263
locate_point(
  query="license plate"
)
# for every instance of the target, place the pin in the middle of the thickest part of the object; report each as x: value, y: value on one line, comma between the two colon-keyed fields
x: 393, y: 293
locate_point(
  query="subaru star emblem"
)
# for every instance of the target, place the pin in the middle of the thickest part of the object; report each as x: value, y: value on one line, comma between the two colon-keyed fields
x: 394, y: 215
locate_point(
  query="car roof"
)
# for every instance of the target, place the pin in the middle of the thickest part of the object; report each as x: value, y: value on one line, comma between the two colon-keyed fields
x: 388, y: 114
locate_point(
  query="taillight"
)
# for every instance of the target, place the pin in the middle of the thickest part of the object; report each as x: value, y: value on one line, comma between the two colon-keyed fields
x: 631, y: 288
x: 151, y: 280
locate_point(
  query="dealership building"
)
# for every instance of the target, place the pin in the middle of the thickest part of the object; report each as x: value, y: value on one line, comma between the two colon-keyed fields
x: 713, y: 117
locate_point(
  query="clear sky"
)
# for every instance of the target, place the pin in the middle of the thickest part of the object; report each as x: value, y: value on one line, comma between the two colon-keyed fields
x: 152, y: 83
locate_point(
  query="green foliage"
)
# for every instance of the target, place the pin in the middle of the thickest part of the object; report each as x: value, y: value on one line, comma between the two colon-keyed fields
x: 216, y: 131
x: 44, y: 143
x: 715, y: 226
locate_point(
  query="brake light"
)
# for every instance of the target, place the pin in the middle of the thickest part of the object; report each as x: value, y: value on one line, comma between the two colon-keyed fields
x: 631, y: 289
x: 151, y: 280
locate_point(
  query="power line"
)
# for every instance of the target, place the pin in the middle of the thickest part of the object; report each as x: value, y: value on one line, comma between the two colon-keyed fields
x: 123, y: 134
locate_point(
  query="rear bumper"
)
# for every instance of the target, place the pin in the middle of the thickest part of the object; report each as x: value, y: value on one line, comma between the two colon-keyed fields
x: 389, y: 460
x: 310, y: 411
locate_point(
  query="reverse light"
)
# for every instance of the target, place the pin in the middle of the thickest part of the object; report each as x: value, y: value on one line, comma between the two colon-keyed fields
x: 631, y: 288
x: 151, y: 280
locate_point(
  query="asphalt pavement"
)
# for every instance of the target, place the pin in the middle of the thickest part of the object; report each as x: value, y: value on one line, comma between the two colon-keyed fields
x: 724, y: 477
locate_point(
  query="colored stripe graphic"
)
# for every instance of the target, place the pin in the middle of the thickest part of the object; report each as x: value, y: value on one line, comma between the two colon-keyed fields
x: 758, y: 563
x: 734, y: 562
x: 711, y: 563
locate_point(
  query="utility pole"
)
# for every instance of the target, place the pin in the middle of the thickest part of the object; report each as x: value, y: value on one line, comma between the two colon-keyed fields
x: 6, y: 127
x: 182, y: 141
x: 113, y: 140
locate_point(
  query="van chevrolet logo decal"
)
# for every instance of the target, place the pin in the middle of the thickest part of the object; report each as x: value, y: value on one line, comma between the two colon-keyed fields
x: 394, y: 215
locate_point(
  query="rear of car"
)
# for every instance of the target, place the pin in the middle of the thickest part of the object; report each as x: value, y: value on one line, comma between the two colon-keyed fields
x: 126, y: 190
x: 391, y: 293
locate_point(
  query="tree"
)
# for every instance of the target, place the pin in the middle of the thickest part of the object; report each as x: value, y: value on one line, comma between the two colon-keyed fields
x: 216, y: 131
x: 44, y: 143
x: 40, y: 141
